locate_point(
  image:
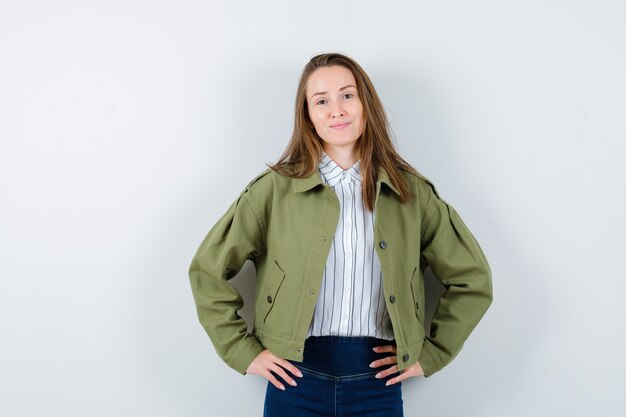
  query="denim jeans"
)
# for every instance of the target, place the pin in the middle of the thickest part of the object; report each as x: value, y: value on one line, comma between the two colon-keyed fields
x: 337, y: 381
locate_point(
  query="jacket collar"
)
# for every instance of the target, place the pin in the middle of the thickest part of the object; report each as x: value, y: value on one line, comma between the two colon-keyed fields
x: 384, y: 178
x: 313, y: 180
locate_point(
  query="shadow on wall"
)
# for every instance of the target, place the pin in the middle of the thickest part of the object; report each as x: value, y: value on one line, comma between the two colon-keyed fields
x: 434, y: 291
x: 245, y: 282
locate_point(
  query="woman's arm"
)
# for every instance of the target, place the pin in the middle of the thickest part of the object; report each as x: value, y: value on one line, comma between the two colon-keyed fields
x: 457, y: 260
x: 237, y: 235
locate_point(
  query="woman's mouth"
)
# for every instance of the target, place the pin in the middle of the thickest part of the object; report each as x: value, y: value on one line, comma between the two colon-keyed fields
x: 340, y: 126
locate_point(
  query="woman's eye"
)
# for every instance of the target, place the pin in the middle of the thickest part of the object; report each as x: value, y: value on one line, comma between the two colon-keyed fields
x: 348, y: 95
x: 322, y: 101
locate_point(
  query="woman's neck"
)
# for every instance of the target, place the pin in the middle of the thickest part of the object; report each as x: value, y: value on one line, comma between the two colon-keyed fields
x: 343, y: 156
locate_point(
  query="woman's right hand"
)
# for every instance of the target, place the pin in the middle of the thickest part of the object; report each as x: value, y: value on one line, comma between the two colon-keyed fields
x: 266, y: 361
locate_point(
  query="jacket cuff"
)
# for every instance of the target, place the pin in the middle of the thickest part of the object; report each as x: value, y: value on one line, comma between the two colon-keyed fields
x: 249, y: 351
x: 429, y: 359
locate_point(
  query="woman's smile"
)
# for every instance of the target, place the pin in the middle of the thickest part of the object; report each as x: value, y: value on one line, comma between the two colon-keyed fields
x: 334, y: 107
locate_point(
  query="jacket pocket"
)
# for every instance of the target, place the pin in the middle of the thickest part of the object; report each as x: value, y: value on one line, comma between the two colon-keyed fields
x: 270, y: 291
x: 415, y: 293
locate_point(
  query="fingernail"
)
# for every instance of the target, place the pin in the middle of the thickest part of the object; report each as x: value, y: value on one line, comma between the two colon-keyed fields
x: 388, y: 383
x: 299, y: 374
x: 377, y: 375
x: 372, y: 365
x: 375, y: 349
x: 282, y: 387
x: 294, y: 383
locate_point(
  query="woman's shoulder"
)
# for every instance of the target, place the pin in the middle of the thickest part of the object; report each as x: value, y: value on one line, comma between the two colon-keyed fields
x: 258, y: 178
x: 419, y: 182
x: 266, y: 183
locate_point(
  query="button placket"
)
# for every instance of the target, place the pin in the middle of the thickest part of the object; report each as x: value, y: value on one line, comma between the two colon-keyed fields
x: 348, y: 240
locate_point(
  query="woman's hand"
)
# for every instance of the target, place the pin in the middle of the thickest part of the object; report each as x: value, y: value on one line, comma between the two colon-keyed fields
x: 413, y: 370
x: 266, y: 361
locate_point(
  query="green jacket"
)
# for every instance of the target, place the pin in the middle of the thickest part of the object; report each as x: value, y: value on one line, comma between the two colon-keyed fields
x: 286, y: 225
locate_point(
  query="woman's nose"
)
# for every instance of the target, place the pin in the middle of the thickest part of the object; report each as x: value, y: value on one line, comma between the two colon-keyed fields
x: 337, y: 109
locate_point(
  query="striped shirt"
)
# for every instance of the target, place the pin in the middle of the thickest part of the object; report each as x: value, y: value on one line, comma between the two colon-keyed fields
x: 351, y: 300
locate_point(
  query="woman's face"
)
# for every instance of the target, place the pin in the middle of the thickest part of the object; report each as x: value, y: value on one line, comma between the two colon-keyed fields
x: 334, y: 105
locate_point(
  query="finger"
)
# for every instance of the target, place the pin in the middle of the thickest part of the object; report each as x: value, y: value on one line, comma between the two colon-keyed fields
x: 290, y: 367
x: 281, y: 372
x: 397, y: 379
x: 388, y: 371
x: 411, y: 371
x: 385, y: 348
x: 389, y: 360
x: 267, y: 374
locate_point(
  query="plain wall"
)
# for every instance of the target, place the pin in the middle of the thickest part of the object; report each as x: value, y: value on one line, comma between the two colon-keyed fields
x: 128, y: 127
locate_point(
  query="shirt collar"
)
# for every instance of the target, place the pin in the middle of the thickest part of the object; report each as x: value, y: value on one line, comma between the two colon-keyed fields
x: 332, y: 173
x: 315, y: 179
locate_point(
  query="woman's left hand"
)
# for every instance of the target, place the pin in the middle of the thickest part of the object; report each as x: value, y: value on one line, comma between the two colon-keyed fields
x: 413, y: 370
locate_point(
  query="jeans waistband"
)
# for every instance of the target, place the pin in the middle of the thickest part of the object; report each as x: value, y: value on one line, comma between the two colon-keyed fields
x: 343, y: 355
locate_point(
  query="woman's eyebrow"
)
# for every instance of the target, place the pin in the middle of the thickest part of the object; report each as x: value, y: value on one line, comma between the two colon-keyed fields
x: 326, y: 92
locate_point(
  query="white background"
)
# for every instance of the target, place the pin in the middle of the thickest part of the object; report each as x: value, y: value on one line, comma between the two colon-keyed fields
x: 128, y: 127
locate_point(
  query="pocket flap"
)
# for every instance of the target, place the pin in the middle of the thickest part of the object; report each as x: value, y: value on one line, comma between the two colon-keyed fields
x: 272, y: 285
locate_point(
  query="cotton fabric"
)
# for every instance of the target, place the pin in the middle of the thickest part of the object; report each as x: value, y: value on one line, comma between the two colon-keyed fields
x: 351, y: 300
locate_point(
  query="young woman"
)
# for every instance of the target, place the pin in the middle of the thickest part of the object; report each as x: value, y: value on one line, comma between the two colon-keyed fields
x: 340, y: 230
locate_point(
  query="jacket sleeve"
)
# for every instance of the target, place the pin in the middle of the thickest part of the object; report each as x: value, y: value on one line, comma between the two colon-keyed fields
x: 457, y: 260
x: 237, y: 235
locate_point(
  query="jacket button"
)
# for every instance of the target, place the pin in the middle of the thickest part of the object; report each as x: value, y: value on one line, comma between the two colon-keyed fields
x: 269, y: 298
x: 405, y: 357
x: 383, y: 244
x: 392, y: 298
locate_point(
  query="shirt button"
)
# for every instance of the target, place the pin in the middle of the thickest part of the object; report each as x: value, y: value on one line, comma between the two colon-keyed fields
x: 348, y: 254
x: 383, y: 244
x: 405, y: 357
x: 269, y: 298
x: 392, y: 298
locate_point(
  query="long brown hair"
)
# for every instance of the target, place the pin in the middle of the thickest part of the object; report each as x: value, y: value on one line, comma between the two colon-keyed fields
x: 375, y: 147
